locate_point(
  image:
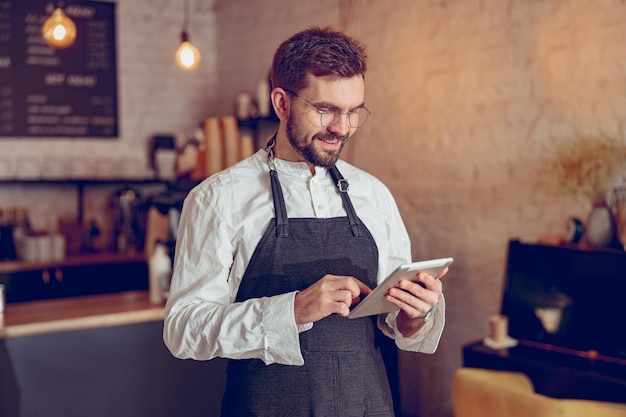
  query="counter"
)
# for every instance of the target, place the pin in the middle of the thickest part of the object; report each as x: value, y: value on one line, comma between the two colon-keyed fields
x: 99, y: 356
x: 76, y: 313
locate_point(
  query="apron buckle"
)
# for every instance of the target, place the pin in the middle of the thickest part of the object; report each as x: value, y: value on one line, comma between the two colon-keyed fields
x: 343, y: 185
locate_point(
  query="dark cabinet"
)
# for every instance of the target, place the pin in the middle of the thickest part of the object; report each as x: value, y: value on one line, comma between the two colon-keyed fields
x: 77, y: 276
x: 121, y: 370
x: 578, y: 350
x: 554, y: 373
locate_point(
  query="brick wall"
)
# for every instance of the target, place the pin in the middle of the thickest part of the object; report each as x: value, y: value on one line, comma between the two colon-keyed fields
x: 154, y: 96
x: 471, y: 100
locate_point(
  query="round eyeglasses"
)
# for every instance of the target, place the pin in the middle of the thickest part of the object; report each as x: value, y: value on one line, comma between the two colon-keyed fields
x: 329, y: 116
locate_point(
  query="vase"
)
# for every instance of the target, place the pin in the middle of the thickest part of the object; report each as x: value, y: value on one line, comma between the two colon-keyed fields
x: 600, y: 226
x: 619, y: 208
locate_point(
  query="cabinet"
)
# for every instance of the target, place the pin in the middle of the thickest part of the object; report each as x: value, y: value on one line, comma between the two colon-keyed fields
x: 76, y: 276
x: 579, y: 350
x: 554, y: 373
x: 121, y: 370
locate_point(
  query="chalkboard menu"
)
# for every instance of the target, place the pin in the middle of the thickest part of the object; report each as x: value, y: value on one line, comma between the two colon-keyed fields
x: 48, y: 92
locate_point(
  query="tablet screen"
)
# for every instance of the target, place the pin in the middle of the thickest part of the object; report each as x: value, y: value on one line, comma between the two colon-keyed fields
x: 375, y: 302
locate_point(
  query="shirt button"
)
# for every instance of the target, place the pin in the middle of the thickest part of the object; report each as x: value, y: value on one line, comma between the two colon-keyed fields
x: 300, y: 166
x: 321, y: 206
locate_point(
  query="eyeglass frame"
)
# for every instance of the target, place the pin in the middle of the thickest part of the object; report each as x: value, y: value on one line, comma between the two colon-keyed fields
x: 337, y: 113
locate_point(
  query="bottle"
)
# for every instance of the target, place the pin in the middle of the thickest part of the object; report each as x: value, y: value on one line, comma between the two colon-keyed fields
x: 3, y: 299
x: 160, y: 272
x: 21, y: 229
x: 263, y: 97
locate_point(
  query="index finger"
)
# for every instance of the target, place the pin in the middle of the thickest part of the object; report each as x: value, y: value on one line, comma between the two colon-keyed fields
x: 362, y: 287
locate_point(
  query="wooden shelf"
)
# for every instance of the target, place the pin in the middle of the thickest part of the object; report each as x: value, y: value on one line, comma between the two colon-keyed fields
x: 7, y: 267
x: 80, y: 184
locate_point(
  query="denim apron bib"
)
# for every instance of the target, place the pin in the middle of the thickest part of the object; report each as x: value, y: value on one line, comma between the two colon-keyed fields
x: 343, y: 373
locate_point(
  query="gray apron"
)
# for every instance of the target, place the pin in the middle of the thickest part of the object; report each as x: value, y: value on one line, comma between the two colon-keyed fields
x: 343, y: 373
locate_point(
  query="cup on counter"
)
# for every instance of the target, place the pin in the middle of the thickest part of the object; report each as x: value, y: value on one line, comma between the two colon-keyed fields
x: 44, y: 245
x: 499, y: 328
x: 165, y: 161
x: 30, y: 249
x: 57, y: 249
x: 243, y: 105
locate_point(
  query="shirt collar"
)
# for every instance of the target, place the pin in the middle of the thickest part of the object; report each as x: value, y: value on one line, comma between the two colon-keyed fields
x: 299, y: 169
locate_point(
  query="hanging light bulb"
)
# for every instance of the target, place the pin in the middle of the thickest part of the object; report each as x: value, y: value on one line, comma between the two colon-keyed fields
x: 59, y: 31
x: 187, y: 55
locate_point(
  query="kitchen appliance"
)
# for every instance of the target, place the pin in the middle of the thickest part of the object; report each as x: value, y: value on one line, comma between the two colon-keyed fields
x: 129, y: 220
x: 164, y: 215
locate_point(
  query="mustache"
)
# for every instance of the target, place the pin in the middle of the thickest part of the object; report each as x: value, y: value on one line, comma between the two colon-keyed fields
x: 331, y: 136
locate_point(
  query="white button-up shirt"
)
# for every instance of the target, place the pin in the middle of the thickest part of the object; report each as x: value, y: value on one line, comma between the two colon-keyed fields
x: 221, y: 223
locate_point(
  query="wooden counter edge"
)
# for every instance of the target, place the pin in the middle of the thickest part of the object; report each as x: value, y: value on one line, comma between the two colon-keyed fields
x: 78, y: 314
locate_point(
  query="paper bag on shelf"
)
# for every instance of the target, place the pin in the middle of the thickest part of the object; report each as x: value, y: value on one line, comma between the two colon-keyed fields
x: 230, y: 136
x: 214, y: 146
x: 247, y: 145
x: 199, y: 171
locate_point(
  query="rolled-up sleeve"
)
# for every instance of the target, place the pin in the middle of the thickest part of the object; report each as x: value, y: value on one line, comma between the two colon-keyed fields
x: 202, y: 321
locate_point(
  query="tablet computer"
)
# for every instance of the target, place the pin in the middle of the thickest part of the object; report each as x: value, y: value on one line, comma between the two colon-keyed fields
x: 375, y: 302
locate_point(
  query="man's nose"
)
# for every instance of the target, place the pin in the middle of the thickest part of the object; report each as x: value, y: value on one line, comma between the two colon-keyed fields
x: 340, y: 126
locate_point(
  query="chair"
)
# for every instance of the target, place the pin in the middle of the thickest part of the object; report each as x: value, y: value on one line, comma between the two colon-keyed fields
x: 489, y: 393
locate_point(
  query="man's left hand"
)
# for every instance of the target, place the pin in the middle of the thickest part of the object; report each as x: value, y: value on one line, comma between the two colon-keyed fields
x: 415, y: 300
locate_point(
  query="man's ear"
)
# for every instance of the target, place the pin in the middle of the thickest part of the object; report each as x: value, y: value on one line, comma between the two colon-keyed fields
x: 280, y: 103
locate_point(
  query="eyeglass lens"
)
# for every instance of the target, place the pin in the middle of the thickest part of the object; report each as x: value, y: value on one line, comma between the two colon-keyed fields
x: 356, y: 118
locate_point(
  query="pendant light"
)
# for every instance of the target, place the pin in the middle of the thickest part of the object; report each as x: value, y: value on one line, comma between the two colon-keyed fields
x: 187, y: 55
x: 59, y: 31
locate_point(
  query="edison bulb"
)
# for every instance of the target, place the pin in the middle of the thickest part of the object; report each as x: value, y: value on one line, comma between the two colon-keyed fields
x: 187, y: 55
x: 59, y: 30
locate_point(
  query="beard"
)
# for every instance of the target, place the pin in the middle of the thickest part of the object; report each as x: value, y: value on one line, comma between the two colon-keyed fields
x: 316, y: 156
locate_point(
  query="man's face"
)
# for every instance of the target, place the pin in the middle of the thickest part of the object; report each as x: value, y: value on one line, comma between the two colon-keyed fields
x: 321, y: 145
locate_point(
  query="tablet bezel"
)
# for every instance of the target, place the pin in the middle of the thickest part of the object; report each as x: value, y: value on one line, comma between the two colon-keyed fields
x: 375, y: 302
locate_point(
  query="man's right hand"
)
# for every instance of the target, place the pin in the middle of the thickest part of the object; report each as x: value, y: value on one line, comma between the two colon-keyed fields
x: 331, y: 294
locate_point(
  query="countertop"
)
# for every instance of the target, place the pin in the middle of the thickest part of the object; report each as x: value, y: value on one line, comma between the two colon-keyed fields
x: 66, y: 314
x: 8, y: 267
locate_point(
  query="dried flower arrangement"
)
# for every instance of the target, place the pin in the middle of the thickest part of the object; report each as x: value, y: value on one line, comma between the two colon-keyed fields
x: 587, y: 168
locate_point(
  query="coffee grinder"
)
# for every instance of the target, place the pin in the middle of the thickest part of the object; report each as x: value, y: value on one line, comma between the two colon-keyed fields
x: 127, y: 209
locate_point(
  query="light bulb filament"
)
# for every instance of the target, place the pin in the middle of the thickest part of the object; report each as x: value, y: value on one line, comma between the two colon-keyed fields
x: 187, y: 56
x: 59, y: 30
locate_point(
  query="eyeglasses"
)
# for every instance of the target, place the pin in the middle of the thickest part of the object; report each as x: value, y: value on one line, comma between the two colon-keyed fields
x: 330, y: 116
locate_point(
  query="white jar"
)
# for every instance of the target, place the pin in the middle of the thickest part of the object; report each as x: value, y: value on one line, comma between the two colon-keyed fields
x: 160, y: 273
x: 263, y: 97
x: 243, y: 105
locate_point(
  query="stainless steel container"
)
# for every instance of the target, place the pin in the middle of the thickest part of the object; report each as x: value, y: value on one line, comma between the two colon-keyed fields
x: 3, y: 299
x: 127, y: 212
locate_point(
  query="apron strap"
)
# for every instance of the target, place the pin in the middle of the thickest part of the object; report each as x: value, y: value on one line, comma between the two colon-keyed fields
x: 342, y: 187
x: 280, y: 211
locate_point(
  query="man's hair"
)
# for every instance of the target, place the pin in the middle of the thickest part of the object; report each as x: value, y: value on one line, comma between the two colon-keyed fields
x: 320, y: 52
